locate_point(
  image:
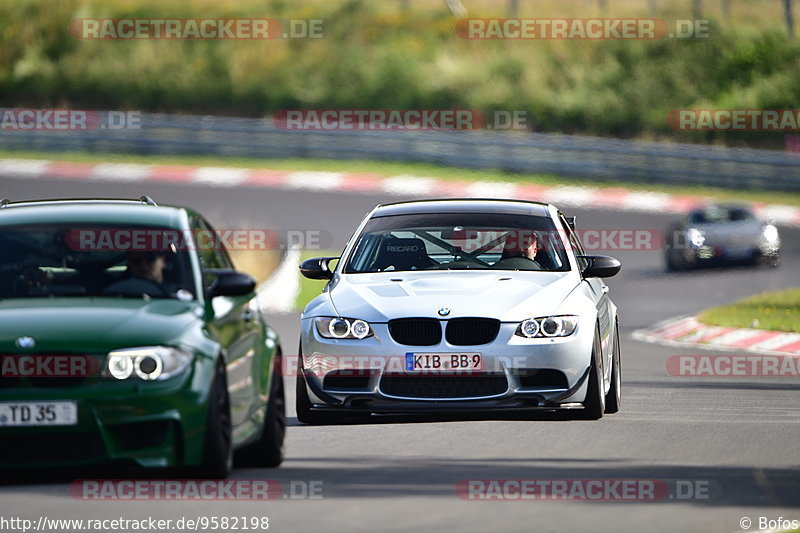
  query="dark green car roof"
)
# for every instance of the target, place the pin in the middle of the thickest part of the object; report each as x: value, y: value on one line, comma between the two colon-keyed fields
x: 116, y: 212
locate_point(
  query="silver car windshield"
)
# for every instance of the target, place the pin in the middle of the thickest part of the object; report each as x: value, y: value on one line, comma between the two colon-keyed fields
x: 717, y: 214
x: 459, y: 241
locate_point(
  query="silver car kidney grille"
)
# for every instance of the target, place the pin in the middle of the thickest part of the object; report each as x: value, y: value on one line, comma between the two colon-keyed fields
x: 416, y: 331
x: 471, y: 331
x: 458, y: 331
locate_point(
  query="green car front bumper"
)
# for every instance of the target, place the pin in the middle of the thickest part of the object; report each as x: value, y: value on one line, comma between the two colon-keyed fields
x: 149, y: 424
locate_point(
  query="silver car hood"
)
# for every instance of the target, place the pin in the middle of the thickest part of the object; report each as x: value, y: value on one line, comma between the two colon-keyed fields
x: 509, y: 296
x: 746, y: 232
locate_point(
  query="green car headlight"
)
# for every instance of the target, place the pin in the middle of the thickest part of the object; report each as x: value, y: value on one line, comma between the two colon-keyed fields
x: 549, y: 326
x: 148, y: 364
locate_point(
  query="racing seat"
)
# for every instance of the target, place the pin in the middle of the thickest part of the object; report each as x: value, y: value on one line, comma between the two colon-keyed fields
x: 402, y: 254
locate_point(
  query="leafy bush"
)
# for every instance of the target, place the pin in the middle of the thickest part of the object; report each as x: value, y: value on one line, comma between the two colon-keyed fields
x: 378, y: 57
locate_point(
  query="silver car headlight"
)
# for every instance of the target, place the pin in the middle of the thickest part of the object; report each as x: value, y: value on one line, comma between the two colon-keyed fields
x: 549, y: 326
x: 148, y: 363
x: 696, y: 237
x: 343, y: 328
x: 770, y: 234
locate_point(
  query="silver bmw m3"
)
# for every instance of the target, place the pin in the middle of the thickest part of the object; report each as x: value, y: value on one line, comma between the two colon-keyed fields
x: 460, y: 305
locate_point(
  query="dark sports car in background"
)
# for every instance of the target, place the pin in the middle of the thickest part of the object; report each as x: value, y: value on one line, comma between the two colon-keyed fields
x: 718, y: 234
x: 153, y: 355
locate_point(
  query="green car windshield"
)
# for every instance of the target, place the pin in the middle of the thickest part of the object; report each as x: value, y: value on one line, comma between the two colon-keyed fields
x: 459, y: 241
x: 80, y: 261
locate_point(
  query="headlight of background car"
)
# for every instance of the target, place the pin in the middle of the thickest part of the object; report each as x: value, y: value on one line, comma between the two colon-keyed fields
x: 149, y: 363
x: 343, y: 328
x: 695, y: 236
x: 770, y: 234
x: 550, y: 326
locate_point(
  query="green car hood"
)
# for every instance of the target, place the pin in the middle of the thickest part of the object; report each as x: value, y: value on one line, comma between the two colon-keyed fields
x: 92, y: 325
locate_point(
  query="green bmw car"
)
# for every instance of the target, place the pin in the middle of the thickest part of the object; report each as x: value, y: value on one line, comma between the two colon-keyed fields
x: 124, y: 338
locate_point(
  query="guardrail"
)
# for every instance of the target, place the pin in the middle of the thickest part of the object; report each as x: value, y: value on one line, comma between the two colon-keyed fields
x: 569, y: 156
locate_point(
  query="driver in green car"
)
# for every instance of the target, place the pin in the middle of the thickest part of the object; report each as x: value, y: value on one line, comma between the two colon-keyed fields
x: 147, y: 265
x: 145, y: 274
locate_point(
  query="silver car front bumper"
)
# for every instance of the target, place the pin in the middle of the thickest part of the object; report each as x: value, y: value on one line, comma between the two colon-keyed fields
x: 549, y: 373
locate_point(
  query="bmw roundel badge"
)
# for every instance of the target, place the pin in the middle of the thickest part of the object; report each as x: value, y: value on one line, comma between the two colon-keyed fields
x: 25, y: 342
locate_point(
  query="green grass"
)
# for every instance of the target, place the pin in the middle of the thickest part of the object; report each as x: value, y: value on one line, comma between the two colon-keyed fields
x: 311, y: 288
x: 415, y: 169
x: 376, y: 55
x: 779, y: 311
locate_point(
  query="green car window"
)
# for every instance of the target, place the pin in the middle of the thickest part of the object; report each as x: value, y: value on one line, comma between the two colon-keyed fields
x: 80, y: 260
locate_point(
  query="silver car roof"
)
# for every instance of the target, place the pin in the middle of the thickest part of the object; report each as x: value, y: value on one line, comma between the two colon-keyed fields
x: 463, y: 205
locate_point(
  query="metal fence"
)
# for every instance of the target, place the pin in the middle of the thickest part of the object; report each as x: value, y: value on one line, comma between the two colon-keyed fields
x: 563, y: 155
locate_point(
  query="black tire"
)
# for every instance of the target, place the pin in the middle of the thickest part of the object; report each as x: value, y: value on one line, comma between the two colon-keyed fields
x: 671, y: 264
x: 268, y: 450
x: 218, y: 442
x: 673, y: 249
x: 770, y: 261
x: 594, y: 404
x: 614, y: 396
x: 688, y: 263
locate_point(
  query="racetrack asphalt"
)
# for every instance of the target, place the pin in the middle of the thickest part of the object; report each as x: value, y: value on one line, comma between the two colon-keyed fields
x: 736, y: 435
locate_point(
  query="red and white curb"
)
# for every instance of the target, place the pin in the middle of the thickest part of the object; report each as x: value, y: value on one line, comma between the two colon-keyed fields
x: 404, y: 185
x: 688, y: 331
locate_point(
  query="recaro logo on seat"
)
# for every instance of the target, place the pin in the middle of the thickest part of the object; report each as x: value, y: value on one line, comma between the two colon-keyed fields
x: 397, y: 249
